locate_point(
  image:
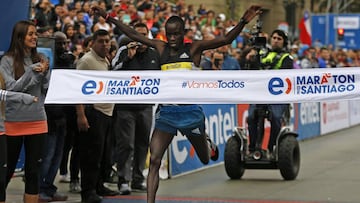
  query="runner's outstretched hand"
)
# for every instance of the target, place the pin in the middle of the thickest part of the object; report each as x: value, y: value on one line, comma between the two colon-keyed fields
x: 96, y: 10
x: 251, y: 12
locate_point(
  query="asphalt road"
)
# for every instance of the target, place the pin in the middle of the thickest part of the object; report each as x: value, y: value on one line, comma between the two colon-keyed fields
x: 329, y: 172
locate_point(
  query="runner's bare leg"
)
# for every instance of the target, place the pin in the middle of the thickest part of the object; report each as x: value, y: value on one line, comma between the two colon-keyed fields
x: 159, y: 143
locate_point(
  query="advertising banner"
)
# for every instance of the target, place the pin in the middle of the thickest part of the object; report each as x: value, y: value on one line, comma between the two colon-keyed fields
x: 334, y: 116
x: 204, y: 87
x: 354, y: 112
x: 307, y: 119
x: 220, y: 122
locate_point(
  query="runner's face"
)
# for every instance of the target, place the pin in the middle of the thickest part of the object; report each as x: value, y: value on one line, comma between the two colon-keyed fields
x: 174, y: 35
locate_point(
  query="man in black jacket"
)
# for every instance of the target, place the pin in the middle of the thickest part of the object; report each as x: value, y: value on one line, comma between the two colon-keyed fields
x: 53, y: 150
x: 133, y: 121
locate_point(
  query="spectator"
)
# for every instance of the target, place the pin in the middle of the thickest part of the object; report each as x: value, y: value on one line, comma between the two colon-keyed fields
x: 132, y: 12
x: 249, y: 59
x: 54, y: 142
x: 80, y: 33
x: 25, y: 124
x: 44, y: 13
x: 103, y: 25
x: 325, y: 60
x: 72, y: 134
x: 217, y: 61
x: 87, y: 18
x: 201, y: 10
x: 229, y: 63
x: 206, y: 58
x: 70, y: 33
x: 144, y: 5
x: 58, y: 21
x: 309, y: 60
x: 80, y: 18
x: 342, y: 59
x: 132, y: 138
x: 94, y: 123
x: 189, y: 36
x: 354, y: 59
x: 209, y: 21
x: 8, y: 96
x: 78, y: 5
x: 115, y: 8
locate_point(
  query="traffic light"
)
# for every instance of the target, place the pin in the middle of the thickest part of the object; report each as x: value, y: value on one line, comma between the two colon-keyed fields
x: 340, y: 34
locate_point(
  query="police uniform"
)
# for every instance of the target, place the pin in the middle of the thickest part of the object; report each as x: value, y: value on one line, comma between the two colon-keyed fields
x: 277, y: 60
x: 271, y: 60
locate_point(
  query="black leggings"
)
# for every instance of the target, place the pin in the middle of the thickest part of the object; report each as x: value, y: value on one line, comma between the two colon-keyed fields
x: 33, y: 146
x: 2, y: 167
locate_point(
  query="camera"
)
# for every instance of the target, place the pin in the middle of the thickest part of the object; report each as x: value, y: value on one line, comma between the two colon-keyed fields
x: 137, y: 44
x: 258, y: 44
x: 257, y: 41
x: 217, y: 62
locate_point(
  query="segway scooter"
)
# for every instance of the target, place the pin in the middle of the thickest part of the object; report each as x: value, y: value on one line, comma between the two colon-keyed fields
x: 285, y: 156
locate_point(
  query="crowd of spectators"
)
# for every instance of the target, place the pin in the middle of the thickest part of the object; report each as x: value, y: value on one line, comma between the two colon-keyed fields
x: 73, y: 17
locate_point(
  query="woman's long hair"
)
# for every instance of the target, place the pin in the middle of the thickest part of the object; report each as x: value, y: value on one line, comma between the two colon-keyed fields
x: 17, y: 47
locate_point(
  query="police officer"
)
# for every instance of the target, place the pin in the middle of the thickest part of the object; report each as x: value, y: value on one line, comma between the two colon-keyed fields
x: 277, y: 57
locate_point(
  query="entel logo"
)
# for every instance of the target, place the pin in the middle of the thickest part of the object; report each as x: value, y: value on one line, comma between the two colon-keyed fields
x: 278, y: 86
x: 91, y: 87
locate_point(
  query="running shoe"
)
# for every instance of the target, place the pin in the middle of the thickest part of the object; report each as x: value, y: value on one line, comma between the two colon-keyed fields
x: 214, y: 150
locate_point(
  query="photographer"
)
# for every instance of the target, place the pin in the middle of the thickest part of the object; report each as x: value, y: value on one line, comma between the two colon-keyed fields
x: 248, y: 59
x: 132, y: 138
x: 221, y: 60
x: 275, y: 58
x: 309, y: 60
x: 229, y: 62
x: 217, y: 61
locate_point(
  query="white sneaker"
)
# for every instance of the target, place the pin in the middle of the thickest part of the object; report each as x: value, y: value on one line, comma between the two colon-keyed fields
x: 64, y: 179
x: 124, y: 189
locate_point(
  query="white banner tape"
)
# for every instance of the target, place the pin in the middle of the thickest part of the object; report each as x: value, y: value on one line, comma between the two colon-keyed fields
x: 203, y: 87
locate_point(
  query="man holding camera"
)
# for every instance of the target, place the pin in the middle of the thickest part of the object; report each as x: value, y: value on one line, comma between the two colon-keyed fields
x: 221, y: 60
x: 229, y: 63
x: 310, y: 60
x: 133, y: 121
x: 277, y: 57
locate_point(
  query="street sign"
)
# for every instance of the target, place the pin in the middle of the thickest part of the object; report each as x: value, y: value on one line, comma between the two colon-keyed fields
x: 326, y: 27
